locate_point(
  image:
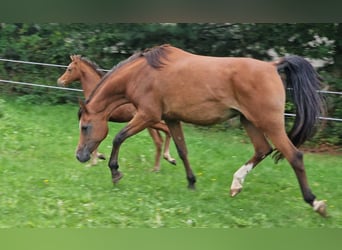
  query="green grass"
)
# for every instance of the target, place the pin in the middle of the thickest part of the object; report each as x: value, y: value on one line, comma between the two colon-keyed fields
x: 42, y: 185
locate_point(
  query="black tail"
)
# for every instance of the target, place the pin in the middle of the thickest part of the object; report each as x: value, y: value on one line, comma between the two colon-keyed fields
x: 304, y: 83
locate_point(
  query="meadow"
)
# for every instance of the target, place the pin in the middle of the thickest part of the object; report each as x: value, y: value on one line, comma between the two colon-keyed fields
x: 42, y: 185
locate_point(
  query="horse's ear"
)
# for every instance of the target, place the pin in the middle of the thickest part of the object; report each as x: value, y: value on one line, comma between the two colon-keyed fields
x: 75, y: 58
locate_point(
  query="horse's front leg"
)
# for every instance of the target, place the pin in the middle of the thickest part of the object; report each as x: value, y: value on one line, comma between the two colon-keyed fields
x: 137, y: 124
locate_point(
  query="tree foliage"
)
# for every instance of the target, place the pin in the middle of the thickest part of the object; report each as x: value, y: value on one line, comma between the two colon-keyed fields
x: 108, y: 44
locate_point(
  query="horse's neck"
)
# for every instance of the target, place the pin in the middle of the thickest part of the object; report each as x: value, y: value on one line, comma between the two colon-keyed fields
x: 109, y: 95
x: 106, y: 104
x: 89, y: 80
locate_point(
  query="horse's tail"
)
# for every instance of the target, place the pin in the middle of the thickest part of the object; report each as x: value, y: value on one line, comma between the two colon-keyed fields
x: 303, y: 82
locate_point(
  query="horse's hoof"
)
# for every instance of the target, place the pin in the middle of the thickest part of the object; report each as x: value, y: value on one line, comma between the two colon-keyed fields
x: 117, y: 177
x: 173, y: 162
x: 101, y: 157
x: 320, y: 207
x: 234, y: 192
x: 170, y: 160
x: 155, y: 169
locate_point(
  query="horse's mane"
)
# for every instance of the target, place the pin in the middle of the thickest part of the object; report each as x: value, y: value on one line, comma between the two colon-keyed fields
x: 93, y: 65
x: 155, y: 57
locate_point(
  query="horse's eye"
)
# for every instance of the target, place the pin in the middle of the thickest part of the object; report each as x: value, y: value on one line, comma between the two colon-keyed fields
x: 85, y: 128
x: 69, y: 69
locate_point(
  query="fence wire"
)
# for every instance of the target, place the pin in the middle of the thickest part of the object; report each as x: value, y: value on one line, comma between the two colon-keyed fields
x: 40, y: 85
x: 80, y: 90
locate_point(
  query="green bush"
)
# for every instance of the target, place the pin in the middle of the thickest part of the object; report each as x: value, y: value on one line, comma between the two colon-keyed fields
x: 2, y: 107
x: 108, y: 44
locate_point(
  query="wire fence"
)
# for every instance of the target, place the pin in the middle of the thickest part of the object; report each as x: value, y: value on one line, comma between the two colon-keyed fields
x: 80, y: 90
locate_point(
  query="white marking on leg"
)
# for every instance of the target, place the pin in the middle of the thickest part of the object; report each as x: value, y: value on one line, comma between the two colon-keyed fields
x: 239, y: 177
x: 320, y: 207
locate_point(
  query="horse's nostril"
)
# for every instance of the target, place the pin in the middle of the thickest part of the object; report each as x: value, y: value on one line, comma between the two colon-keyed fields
x: 82, y: 157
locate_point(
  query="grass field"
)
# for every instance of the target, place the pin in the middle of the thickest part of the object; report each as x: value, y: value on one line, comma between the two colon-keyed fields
x: 42, y: 185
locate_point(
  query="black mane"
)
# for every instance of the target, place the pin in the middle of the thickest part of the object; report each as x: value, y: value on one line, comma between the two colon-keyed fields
x: 155, y: 55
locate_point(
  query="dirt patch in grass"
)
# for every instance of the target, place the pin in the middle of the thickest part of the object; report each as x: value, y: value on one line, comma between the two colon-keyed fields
x: 323, y: 148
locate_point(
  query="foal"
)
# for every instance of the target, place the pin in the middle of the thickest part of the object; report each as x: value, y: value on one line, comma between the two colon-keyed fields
x: 88, y: 73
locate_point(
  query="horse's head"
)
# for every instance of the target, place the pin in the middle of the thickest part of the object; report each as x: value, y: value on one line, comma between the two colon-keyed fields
x: 72, y: 73
x: 93, y: 130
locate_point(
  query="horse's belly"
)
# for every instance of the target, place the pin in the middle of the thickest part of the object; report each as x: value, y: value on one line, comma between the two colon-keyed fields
x: 210, y: 118
x: 201, y: 115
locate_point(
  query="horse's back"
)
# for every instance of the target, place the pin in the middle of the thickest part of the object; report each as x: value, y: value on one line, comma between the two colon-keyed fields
x: 217, y: 77
x: 206, y: 90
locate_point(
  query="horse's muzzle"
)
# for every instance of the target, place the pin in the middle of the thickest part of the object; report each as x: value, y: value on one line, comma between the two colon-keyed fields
x: 61, y: 82
x: 82, y: 156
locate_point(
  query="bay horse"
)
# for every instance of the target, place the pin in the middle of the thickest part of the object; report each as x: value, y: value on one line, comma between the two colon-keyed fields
x: 89, y: 74
x: 170, y: 84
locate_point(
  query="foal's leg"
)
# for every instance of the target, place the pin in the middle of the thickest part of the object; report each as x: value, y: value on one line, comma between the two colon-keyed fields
x: 158, y: 142
x: 162, y: 127
x: 295, y: 158
x: 178, y: 137
x: 137, y: 124
x: 167, y: 155
x: 94, y: 156
x: 261, y: 148
x: 100, y: 156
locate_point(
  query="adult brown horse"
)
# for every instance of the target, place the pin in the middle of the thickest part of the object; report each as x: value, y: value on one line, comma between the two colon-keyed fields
x: 170, y: 84
x: 89, y: 74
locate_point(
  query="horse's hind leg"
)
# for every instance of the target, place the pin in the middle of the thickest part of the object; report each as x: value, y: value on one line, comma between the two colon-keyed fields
x: 295, y: 158
x: 158, y: 142
x: 167, y: 155
x: 261, y: 147
x: 162, y: 127
x: 178, y: 137
x: 94, y: 156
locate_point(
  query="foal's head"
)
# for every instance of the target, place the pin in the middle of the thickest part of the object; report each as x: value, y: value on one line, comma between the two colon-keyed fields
x: 72, y: 73
x: 93, y: 130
